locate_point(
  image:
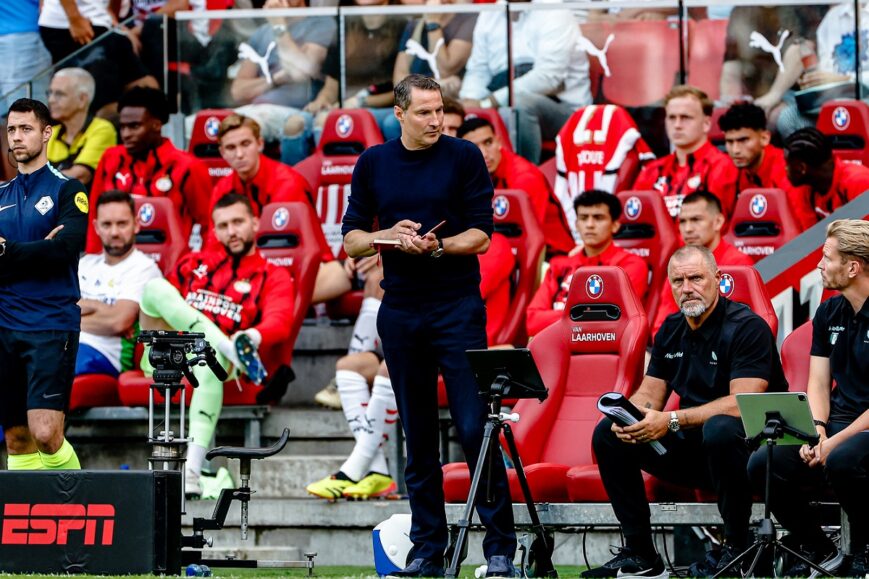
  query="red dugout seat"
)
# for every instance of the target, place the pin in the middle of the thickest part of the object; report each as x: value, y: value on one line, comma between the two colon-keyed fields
x: 741, y: 283
x: 285, y: 238
x: 494, y: 117
x: 846, y: 123
x: 597, y: 347
x: 762, y: 222
x: 706, y: 49
x: 93, y: 390
x: 203, y: 141
x: 160, y: 234
x: 795, y: 354
x: 642, y: 58
x: 514, y: 218
x: 648, y: 231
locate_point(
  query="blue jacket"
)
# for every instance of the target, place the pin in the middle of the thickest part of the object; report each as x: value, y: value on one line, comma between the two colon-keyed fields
x: 39, y: 277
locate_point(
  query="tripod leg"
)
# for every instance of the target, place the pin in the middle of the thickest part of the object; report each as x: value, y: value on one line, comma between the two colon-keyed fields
x: 755, y: 549
x: 799, y: 556
x: 544, y: 543
x: 492, y: 426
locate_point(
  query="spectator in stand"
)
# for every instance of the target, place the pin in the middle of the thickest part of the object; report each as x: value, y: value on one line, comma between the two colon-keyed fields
x: 371, y: 45
x: 758, y: 163
x: 22, y: 54
x: 364, y: 474
x: 551, y: 72
x: 262, y: 181
x: 242, y: 303
x: 111, y: 284
x: 597, y: 220
x: 510, y: 171
x: 695, y: 164
x: 454, y: 116
x: 79, y: 140
x: 68, y: 25
x: 149, y: 165
x: 436, y: 45
x: 280, y: 74
x: 701, y: 222
x: 821, y: 182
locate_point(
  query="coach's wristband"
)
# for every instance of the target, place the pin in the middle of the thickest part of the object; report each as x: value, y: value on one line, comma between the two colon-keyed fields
x: 821, y: 423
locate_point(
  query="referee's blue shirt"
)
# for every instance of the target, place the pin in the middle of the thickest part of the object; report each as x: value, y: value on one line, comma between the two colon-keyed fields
x: 39, y: 277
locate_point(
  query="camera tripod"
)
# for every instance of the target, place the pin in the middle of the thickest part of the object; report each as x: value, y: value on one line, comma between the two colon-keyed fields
x: 766, y: 541
x: 494, y: 369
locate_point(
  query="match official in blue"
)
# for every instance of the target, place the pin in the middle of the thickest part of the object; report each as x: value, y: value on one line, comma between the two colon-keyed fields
x: 432, y: 310
x: 43, y: 222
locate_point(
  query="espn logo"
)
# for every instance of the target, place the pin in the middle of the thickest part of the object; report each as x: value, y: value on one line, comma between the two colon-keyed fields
x: 51, y: 524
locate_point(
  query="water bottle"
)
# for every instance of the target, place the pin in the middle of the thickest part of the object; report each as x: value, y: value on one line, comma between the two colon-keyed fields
x: 194, y: 570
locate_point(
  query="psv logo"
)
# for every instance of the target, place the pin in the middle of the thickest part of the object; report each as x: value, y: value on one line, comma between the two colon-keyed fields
x: 58, y: 524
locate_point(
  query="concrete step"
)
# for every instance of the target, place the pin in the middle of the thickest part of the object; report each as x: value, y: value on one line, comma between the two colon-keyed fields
x: 286, y: 476
x: 307, y: 423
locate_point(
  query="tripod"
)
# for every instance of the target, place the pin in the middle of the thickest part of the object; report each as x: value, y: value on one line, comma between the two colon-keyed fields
x: 540, y: 551
x: 766, y: 541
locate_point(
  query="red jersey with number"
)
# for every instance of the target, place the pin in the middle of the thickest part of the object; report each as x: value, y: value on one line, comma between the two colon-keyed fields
x: 238, y: 294
x: 724, y: 254
x: 163, y: 172
x: 551, y: 297
x: 707, y: 169
x: 590, y: 150
x: 515, y: 172
x: 850, y: 180
x: 274, y: 182
x: 496, y: 267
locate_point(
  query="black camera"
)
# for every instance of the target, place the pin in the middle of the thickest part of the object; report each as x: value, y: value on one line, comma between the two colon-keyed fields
x: 171, y: 356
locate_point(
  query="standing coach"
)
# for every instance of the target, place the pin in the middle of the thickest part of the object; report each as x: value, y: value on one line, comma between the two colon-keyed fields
x: 432, y: 310
x: 43, y: 221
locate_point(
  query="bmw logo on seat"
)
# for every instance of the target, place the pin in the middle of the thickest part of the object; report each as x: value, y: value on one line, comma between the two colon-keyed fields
x: 594, y: 286
x: 280, y: 218
x: 501, y: 206
x: 212, y: 127
x: 344, y: 126
x: 758, y: 205
x: 841, y: 118
x: 147, y: 214
x: 633, y: 207
x: 726, y: 285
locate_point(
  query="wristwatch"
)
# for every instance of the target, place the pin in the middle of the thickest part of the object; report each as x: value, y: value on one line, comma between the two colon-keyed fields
x: 440, y: 250
x: 673, y: 425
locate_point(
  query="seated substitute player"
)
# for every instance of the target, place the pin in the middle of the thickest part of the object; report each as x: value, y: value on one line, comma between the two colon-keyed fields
x: 111, y: 284
x: 364, y: 474
x: 821, y: 182
x: 840, y: 354
x: 695, y: 163
x: 148, y: 164
x: 711, y: 350
x: 700, y: 223
x: 597, y: 220
x: 510, y: 171
x: 241, y: 302
x: 758, y: 163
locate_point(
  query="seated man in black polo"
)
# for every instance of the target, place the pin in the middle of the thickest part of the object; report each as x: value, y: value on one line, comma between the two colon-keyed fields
x: 706, y: 353
x: 840, y: 353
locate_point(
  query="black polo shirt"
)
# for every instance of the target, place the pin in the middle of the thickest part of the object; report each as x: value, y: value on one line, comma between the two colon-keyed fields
x: 843, y: 337
x: 733, y: 342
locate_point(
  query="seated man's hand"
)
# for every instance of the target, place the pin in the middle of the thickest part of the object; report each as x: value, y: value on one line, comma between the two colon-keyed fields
x: 653, y: 426
x: 251, y: 333
x: 819, y: 77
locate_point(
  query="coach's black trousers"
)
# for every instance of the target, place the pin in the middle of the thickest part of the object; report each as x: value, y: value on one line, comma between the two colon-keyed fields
x: 711, y: 458
x: 419, y: 340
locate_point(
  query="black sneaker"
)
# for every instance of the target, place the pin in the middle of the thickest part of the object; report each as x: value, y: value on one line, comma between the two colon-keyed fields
x: 827, y: 556
x: 628, y: 564
x: 500, y: 566
x: 420, y: 568
x: 855, y: 565
x: 716, y: 559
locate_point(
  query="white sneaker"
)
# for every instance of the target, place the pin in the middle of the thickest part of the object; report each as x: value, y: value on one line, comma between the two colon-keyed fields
x: 329, y: 396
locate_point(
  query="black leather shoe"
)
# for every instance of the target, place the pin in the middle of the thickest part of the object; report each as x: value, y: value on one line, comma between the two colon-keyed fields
x: 420, y: 568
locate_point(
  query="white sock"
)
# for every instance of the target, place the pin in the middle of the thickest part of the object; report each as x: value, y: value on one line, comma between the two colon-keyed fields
x: 365, y: 329
x: 367, y: 455
x: 195, y: 458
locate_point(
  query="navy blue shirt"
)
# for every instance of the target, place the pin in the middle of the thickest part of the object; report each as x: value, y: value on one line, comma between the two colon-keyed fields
x: 39, y: 277
x: 447, y: 181
x: 732, y: 343
x: 843, y: 336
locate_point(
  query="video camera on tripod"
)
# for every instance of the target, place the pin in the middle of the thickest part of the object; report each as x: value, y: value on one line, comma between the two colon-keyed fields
x: 169, y: 356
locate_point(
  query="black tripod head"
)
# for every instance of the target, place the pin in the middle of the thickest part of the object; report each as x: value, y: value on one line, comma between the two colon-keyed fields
x: 169, y: 356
